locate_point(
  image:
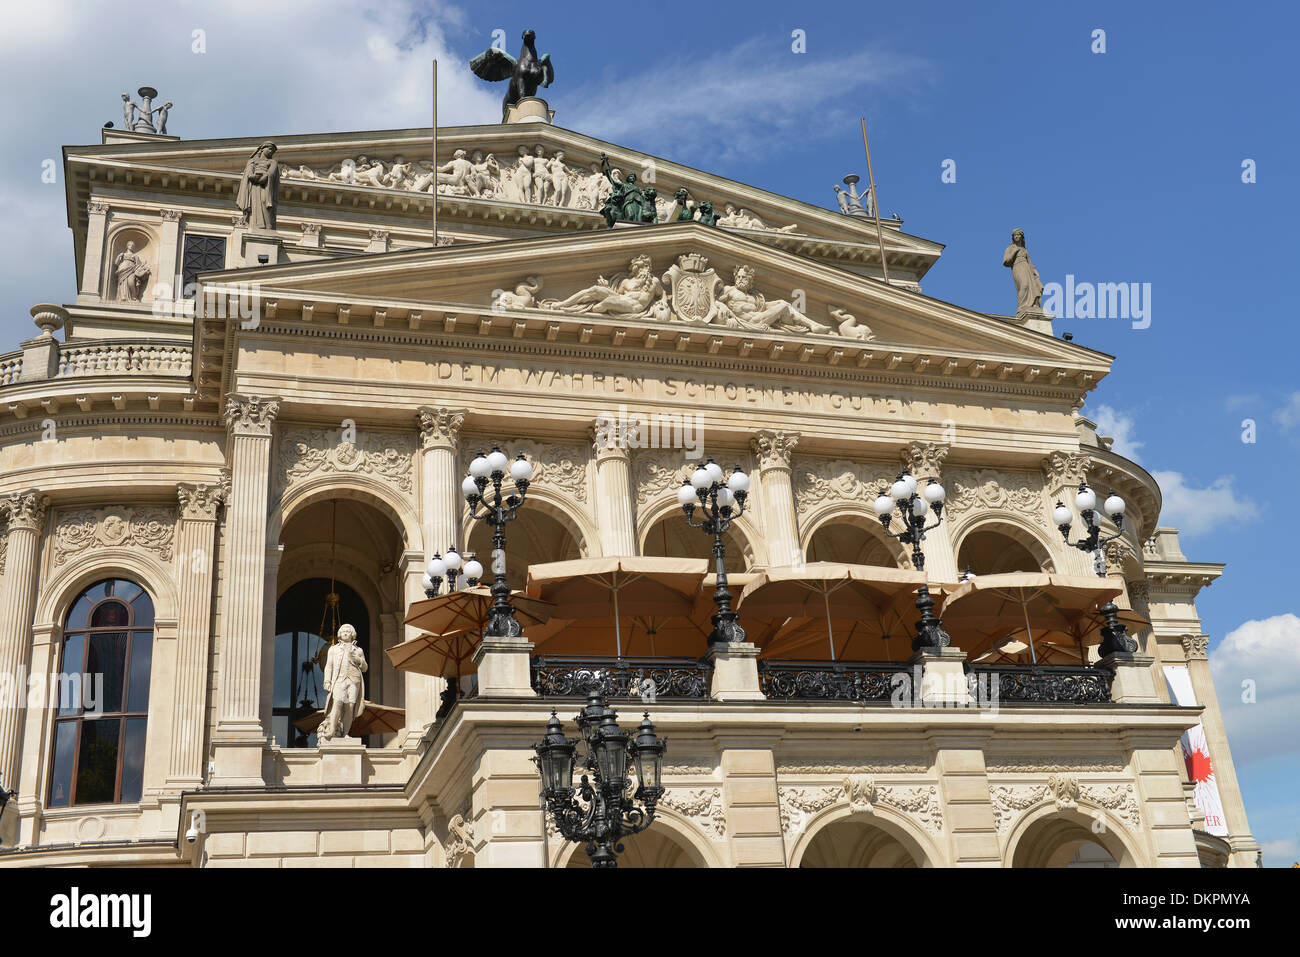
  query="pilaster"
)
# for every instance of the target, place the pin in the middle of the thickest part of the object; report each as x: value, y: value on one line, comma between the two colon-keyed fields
x: 614, y: 494
x: 26, y: 514
x: 92, y: 267
x: 776, y: 495
x: 924, y: 460
x: 1062, y: 473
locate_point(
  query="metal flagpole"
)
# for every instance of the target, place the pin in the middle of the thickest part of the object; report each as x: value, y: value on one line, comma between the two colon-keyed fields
x: 875, y: 201
x: 434, y: 194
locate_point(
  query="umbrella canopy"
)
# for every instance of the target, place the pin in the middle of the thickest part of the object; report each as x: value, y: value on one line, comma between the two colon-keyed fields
x: 443, y: 656
x: 985, y: 610
x: 375, y: 719
x: 470, y: 609
x: 1071, y: 642
x: 831, y: 604
x: 588, y: 592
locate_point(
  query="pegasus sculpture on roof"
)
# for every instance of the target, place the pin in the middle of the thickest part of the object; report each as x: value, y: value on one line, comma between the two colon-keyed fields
x: 525, y: 74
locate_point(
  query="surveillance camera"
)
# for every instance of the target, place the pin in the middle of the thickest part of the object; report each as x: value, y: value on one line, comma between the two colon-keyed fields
x: 192, y: 835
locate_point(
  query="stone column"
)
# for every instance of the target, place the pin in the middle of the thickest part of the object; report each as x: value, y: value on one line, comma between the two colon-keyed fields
x: 194, y: 553
x: 92, y: 267
x: 26, y: 512
x: 776, y: 495
x: 615, y: 510
x: 1244, y: 846
x: 422, y: 694
x: 924, y: 460
x: 239, y: 737
x: 1062, y: 473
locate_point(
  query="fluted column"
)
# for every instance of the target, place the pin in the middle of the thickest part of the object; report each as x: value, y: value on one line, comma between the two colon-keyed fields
x: 615, y: 509
x: 776, y: 493
x: 1062, y: 473
x: 924, y: 460
x: 26, y: 514
x: 194, y: 547
x: 238, y: 740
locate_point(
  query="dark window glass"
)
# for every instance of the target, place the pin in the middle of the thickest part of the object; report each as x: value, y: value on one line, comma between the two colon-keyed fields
x: 103, y: 696
x: 202, y: 254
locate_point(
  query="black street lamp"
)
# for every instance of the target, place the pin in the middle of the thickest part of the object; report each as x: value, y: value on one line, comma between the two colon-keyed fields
x: 496, y: 511
x: 447, y: 567
x: 1086, y: 502
x: 723, y: 501
x: 914, y: 507
x: 606, y: 813
x: 9, y: 817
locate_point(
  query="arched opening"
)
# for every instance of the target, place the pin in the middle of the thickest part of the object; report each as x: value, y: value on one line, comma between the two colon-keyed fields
x: 992, y: 551
x: 856, y: 843
x: 852, y: 541
x: 534, y: 537
x: 653, y: 847
x: 671, y: 537
x: 1061, y: 841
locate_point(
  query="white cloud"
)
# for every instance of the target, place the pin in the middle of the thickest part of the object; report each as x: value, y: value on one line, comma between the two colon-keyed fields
x: 1281, y: 853
x: 1287, y: 415
x: 1195, y: 511
x: 1266, y: 653
x: 1119, y: 426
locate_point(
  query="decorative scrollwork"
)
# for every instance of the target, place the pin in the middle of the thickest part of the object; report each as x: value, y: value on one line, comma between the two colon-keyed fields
x: 1048, y: 685
x: 838, y: 681
x: 647, y: 679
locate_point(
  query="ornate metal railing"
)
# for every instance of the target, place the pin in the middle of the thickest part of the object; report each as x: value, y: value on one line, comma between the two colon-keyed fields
x: 827, y: 680
x: 1044, y: 684
x: 648, y: 679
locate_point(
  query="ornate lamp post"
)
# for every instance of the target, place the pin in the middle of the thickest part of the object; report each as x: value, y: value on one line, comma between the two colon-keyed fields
x: 722, y: 501
x: 606, y: 813
x: 447, y: 566
x: 1086, y: 502
x: 914, y: 507
x: 496, y: 510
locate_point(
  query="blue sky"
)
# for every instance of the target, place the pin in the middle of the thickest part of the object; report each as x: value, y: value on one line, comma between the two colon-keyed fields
x: 1123, y: 166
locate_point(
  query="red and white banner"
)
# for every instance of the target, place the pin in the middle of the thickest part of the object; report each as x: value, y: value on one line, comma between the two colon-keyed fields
x: 1196, y: 752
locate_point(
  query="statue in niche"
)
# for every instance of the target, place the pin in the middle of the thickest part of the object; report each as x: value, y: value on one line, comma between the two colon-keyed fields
x: 639, y: 293
x: 259, y: 188
x: 525, y: 74
x: 131, y: 274
x: 344, y: 686
x: 749, y: 308
x: 1029, y: 287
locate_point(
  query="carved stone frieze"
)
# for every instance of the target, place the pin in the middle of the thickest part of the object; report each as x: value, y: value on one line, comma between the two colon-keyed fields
x: 840, y: 766
x: 862, y: 794
x: 655, y: 471
x: 990, y: 489
x: 703, y: 806
x: 562, y: 466
x: 388, y: 456
x: 1060, y: 763
x: 1119, y: 799
x: 816, y: 481
x: 78, y: 531
x: 1010, y: 801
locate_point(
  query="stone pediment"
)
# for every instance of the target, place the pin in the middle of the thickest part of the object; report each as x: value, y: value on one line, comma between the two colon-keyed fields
x: 674, y: 282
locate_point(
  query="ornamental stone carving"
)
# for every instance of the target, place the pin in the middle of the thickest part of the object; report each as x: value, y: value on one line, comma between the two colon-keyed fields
x: 611, y: 437
x: 921, y: 802
x: 97, y: 208
x: 385, y: 455
x: 655, y: 472
x: 1116, y: 798
x: 773, y: 448
x: 1009, y: 801
x: 199, y: 502
x: 862, y: 794
x: 79, y: 531
x: 250, y: 414
x: 1117, y: 552
x: 460, y: 841
x: 861, y: 791
x: 924, y: 460
x: 439, y: 428
x: 989, y: 489
x: 1196, y: 646
x: 833, y: 766
x: 1064, y: 469
x: 795, y: 804
x: 703, y: 806
x: 1036, y: 764
x: 25, y: 509
x: 817, y: 481
x: 561, y: 466
x: 1065, y: 789
x: 4, y: 546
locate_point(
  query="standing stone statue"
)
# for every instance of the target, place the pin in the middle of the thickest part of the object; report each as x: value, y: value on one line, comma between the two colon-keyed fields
x: 344, y: 688
x: 131, y: 274
x: 162, y: 116
x: 128, y: 112
x: 1029, y: 287
x: 259, y: 188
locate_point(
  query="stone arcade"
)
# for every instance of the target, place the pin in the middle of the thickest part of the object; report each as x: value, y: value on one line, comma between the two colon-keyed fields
x: 184, y: 490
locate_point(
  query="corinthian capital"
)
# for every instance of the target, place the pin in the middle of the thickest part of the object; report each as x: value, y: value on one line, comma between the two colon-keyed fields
x: 439, y: 428
x: 924, y: 460
x: 199, y: 502
x: 1196, y: 646
x: 25, y: 509
x: 1061, y: 469
x: 250, y: 414
x: 774, y: 449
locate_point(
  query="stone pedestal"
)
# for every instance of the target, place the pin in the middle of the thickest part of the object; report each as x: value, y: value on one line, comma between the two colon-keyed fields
x: 943, y: 678
x: 735, y: 671
x: 341, y: 760
x: 531, y: 109
x: 1132, y: 684
x: 256, y: 242
x: 503, y: 668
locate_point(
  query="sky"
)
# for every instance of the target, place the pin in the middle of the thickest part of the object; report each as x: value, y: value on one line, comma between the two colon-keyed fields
x: 1161, y: 152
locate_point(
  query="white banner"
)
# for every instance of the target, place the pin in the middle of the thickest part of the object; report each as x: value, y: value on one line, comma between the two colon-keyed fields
x: 1196, y: 753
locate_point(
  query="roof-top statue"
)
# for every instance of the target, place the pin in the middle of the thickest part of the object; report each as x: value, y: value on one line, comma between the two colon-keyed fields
x: 525, y: 74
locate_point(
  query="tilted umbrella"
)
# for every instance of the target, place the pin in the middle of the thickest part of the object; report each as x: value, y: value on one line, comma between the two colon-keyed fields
x: 1072, y: 640
x: 470, y: 609
x: 593, y: 590
x: 993, y: 607
x: 375, y: 719
x: 868, y: 599
x: 442, y: 656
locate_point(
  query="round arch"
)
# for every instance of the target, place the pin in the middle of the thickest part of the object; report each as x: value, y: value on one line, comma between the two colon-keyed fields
x: 574, y: 520
x: 882, y: 817
x: 1017, y: 529
x: 663, y: 507
x: 856, y: 516
x: 669, y: 826
x: 1040, y: 833
x: 155, y: 578
x: 358, y: 488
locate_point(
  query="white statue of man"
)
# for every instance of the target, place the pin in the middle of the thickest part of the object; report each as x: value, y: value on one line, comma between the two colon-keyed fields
x: 345, y: 693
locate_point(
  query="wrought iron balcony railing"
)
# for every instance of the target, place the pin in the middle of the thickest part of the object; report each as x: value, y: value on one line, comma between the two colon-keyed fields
x: 1044, y: 684
x: 827, y: 680
x: 647, y: 679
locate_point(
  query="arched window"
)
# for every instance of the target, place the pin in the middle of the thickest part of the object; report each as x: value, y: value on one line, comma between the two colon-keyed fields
x: 103, y: 696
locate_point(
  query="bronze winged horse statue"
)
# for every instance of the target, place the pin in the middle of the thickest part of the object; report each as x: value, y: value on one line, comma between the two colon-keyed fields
x: 525, y: 74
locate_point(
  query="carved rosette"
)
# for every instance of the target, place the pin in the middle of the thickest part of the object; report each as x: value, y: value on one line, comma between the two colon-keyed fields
x: 146, y: 529
x: 200, y: 502
x: 924, y: 460
x: 657, y: 471
x: 774, y: 449
x: 26, y: 509
x: 250, y: 414
x: 440, y: 428
x: 385, y: 455
x: 703, y: 806
x: 1065, y: 469
x: 1196, y: 647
